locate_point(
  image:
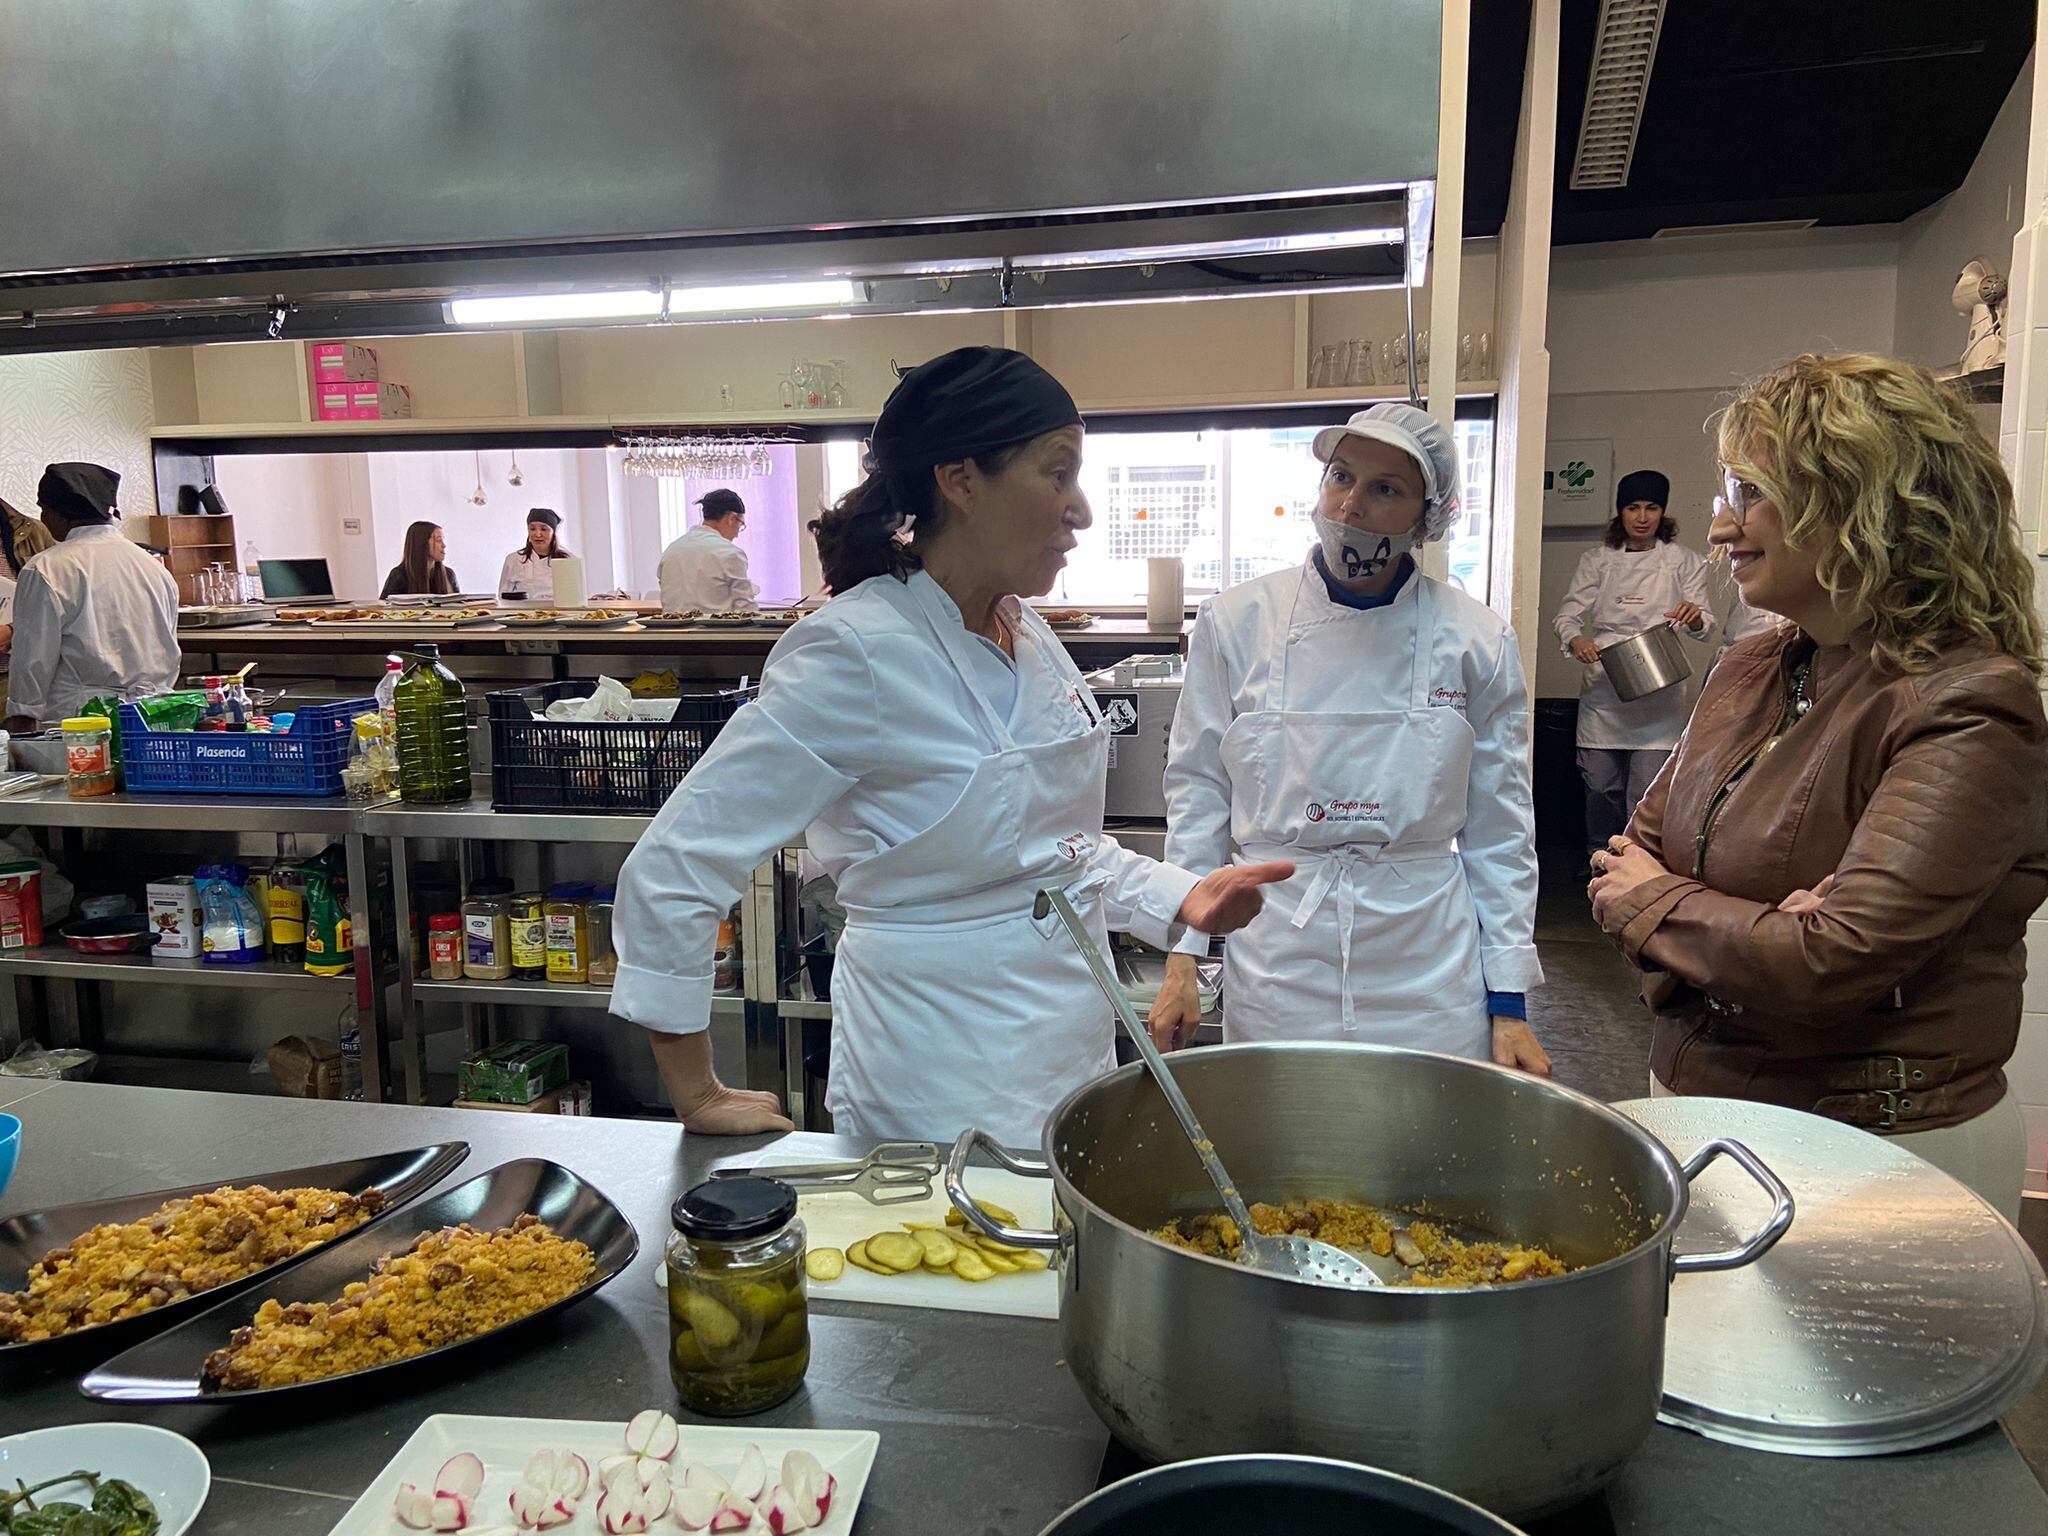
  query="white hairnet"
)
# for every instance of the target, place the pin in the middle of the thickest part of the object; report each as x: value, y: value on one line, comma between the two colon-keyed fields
x: 1424, y: 439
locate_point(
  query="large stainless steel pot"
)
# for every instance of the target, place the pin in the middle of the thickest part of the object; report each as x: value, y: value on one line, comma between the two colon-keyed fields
x: 1645, y: 664
x: 1522, y: 1398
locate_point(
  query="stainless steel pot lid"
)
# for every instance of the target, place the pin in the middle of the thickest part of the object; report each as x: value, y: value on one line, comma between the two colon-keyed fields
x: 1900, y: 1311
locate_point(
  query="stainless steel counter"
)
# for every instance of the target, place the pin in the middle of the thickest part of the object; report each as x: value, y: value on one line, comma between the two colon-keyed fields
x: 177, y: 813
x: 981, y: 1427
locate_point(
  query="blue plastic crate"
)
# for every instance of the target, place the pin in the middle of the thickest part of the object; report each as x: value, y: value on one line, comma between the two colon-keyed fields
x: 306, y: 760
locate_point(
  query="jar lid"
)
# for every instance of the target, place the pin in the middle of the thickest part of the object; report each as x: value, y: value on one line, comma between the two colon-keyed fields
x: 445, y: 920
x: 88, y: 723
x: 604, y: 893
x: 733, y: 1210
x: 568, y: 890
x: 491, y: 885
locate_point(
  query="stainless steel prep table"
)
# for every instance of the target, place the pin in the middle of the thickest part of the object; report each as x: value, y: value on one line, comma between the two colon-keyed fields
x: 980, y: 1425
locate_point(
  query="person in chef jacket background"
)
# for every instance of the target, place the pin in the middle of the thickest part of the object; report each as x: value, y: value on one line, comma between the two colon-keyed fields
x: 936, y: 746
x: 94, y: 616
x: 705, y: 569
x: 1638, y: 578
x: 1371, y: 724
x: 529, y: 572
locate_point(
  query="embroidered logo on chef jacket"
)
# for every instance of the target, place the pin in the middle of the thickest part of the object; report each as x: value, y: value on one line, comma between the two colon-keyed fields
x: 1631, y: 599
x: 1446, y: 698
x: 1346, y: 810
x: 1075, y: 846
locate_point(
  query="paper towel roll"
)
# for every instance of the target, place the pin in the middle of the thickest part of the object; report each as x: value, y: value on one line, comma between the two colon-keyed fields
x: 568, y: 574
x: 1165, y: 592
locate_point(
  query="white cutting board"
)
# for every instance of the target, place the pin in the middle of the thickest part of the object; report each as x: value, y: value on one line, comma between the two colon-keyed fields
x: 841, y: 1220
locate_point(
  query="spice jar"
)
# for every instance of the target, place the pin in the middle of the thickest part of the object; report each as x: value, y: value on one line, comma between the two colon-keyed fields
x: 738, y: 1320
x: 604, y: 961
x: 88, y: 756
x: 529, y: 936
x: 444, y: 946
x: 568, y: 939
x: 487, y: 930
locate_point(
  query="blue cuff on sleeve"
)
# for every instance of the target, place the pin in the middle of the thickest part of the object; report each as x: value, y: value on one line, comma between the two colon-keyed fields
x: 1507, y: 1005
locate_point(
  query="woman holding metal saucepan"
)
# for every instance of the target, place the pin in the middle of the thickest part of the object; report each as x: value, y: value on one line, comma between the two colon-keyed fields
x: 1637, y: 578
x: 941, y: 749
x: 1827, y: 893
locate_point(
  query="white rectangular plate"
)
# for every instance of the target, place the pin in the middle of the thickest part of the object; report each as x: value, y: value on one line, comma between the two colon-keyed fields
x: 506, y: 1445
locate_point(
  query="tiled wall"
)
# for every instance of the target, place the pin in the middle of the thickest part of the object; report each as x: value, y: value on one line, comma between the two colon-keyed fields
x: 2023, y: 434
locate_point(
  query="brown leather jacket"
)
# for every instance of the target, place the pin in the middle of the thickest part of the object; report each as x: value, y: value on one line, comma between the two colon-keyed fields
x: 1925, y: 795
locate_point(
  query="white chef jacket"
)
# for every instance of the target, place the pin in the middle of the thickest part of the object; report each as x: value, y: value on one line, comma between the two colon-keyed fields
x: 96, y: 615
x: 532, y: 579
x: 1621, y: 593
x: 1360, y: 661
x: 864, y: 734
x: 706, y: 571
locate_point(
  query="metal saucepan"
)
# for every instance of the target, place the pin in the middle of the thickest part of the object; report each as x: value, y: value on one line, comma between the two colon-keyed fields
x: 1523, y: 1398
x: 1273, y: 1496
x: 119, y: 935
x: 1645, y: 664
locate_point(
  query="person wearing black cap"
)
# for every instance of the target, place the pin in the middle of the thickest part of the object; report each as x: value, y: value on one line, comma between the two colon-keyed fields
x: 939, y: 751
x: 93, y: 616
x: 1638, y: 577
x: 529, y: 573
x: 705, y: 569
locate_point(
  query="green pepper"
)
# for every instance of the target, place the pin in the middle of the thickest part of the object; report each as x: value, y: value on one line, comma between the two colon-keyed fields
x: 126, y: 1508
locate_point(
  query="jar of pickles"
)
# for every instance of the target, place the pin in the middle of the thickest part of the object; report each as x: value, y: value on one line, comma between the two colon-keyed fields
x: 529, y: 936
x: 738, y: 1324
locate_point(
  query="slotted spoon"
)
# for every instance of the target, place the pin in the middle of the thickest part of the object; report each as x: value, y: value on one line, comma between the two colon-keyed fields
x: 1296, y: 1258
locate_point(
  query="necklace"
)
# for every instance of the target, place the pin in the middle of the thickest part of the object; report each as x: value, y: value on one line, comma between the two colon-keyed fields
x: 1801, y: 700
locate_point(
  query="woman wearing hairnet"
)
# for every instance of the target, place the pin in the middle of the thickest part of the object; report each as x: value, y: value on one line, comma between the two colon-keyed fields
x: 1371, y: 724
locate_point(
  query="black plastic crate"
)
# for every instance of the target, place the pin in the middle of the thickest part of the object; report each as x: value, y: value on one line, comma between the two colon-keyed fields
x: 596, y: 767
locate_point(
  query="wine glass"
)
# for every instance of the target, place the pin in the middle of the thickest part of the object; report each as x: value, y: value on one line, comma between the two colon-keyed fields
x: 1465, y: 356
x: 1486, y: 354
x: 1362, y: 373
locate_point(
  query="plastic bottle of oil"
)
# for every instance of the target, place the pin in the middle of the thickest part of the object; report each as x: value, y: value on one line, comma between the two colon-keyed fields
x: 433, y: 732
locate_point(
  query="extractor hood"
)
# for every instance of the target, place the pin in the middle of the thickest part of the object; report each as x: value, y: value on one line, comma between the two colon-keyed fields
x: 190, y: 170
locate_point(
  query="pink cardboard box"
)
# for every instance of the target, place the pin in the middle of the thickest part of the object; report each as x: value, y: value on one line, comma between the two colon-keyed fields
x: 361, y: 400
x: 334, y: 361
x: 331, y: 400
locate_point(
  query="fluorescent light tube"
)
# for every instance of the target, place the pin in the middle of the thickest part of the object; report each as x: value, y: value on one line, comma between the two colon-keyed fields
x: 744, y: 298
x: 610, y: 304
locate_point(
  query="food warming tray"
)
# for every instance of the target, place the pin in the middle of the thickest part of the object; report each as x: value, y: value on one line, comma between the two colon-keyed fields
x: 170, y: 1367
x: 27, y: 1236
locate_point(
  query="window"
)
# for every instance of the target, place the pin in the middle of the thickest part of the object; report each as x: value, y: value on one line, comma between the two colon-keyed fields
x: 770, y: 537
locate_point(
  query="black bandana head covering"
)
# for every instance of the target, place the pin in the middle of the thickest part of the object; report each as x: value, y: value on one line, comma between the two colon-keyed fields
x: 546, y: 515
x: 721, y: 503
x: 969, y: 401
x: 1642, y: 485
x: 84, y: 493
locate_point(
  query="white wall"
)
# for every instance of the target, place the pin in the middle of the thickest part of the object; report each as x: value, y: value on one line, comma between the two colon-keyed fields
x: 437, y: 487
x: 285, y: 504
x: 1978, y: 219
x: 94, y: 406
x: 1706, y: 312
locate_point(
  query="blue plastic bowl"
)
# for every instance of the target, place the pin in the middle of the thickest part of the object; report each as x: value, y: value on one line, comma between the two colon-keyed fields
x: 10, y: 1148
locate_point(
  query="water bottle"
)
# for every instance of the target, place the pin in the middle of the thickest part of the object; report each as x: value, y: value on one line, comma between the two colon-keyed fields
x: 387, y: 689
x: 433, y: 732
x: 352, y: 1063
x: 252, y: 574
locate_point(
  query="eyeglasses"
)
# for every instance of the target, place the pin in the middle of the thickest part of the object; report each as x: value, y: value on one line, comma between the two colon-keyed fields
x: 1740, y: 498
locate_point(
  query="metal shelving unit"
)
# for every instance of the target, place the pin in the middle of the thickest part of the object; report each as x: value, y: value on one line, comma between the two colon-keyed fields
x: 270, y: 975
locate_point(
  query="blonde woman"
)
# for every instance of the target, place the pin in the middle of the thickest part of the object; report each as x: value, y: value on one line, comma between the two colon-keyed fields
x: 1827, y: 894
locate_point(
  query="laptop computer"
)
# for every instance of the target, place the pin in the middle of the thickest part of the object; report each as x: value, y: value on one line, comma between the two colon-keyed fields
x: 303, y: 583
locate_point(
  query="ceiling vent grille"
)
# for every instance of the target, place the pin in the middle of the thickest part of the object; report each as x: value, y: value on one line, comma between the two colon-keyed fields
x: 1624, y: 48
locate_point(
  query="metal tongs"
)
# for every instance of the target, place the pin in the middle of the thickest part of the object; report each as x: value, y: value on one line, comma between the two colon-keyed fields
x: 895, y: 1173
x: 1295, y: 1258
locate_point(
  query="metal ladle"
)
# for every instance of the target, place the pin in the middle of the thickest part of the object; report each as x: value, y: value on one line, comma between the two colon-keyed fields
x: 1295, y: 1258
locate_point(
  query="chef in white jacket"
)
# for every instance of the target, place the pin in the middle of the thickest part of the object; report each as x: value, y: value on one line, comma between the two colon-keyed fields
x: 705, y: 569
x: 1638, y: 577
x: 935, y: 744
x: 1371, y: 724
x: 94, y: 616
x: 528, y: 575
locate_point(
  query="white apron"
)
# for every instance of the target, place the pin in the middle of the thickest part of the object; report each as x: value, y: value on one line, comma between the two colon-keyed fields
x: 1634, y: 596
x: 1374, y: 938
x: 951, y: 1005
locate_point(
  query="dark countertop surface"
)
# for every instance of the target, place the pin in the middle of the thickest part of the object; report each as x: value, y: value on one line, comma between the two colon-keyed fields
x: 981, y: 1427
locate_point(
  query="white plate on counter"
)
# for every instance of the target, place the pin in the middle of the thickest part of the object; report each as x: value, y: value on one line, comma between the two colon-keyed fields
x: 506, y: 1445
x: 840, y: 1220
x: 170, y: 1470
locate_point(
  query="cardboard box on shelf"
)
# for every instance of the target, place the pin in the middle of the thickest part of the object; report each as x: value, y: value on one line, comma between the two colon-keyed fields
x: 569, y: 1099
x: 338, y: 361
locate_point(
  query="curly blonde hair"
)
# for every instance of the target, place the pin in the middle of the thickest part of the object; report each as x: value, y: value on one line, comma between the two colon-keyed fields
x: 1878, y: 467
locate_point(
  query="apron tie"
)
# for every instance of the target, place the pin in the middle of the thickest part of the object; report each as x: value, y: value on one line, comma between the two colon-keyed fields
x: 1334, y: 869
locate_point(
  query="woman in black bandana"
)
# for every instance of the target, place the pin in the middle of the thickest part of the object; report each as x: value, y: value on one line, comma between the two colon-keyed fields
x: 937, y: 747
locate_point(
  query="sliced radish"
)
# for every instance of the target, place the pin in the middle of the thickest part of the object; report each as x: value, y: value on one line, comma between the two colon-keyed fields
x: 618, y: 1516
x: 701, y: 1478
x: 655, y: 1500
x: 822, y: 1504
x: 782, y: 1512
x: 652, y: 1433
x: 461, y: 1475
x: 695, y: 1507
x: 572, y: 1476
x: 415, y: 1507
x: 451, y: 1511
x: 540, y: 1471
x: 528, y: 1504
x: 751, y: 1480
x: 560, y: 1511
x: 734, y: 1514
x: 611, y: 1464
